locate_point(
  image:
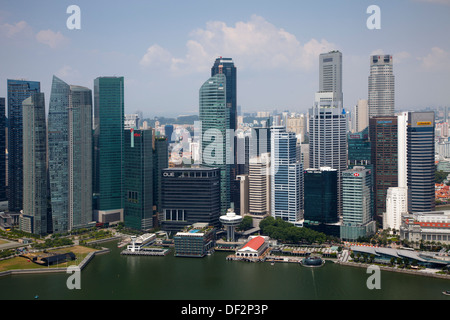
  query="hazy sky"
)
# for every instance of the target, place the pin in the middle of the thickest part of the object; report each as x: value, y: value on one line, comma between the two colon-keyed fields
x: 165, y: 48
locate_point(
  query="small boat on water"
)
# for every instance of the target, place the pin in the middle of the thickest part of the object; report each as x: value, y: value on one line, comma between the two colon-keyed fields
x: 447, y: 292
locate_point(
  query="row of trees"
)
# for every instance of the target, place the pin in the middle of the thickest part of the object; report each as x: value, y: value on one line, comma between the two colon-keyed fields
x: 277, y: 228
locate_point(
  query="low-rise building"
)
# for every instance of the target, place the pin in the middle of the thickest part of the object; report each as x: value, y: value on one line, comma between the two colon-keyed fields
x: 426, y: 226
x: 254, y: 248
x: 195, y: 240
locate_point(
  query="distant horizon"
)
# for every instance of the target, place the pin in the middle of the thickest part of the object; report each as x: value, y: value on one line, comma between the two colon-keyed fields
x: 165, y: 51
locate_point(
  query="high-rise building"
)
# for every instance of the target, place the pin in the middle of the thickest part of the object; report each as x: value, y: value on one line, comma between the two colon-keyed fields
x: 33, y: 218
x: 328, y: 136
x: 160, y: 162
x: 108, y: 145
x: 2, y: 150
x: 168, y: 131
x: 215, y: 148
x: 420, y: 161
x: 190, y: 195
x: 384, y: 143
x: 138, y: 175
x: 381, y: 86
x: 18, y: 91
x: 286, y: 178
x: 226, y: 66
x: 357, y: 218
x: 360, y: 118
x: 70, y: 155
x: 330, y: 74
x: 259, y: 186
x: 396, y: 207
x: 320, y: 195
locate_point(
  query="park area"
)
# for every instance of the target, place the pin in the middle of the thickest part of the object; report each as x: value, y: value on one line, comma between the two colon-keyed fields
x: 26, y: 261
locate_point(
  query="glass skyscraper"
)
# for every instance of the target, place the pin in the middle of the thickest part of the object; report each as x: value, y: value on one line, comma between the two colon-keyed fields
x: 18, y: 91
x: 70, y: 155
x: 420, y: 158
x: 2, y: 151
x: 138, y: 173
x: 108, y: 144
x: 286, y: 178
x: 215, y: 143
x: 320, y: 196
x: 33, y: 218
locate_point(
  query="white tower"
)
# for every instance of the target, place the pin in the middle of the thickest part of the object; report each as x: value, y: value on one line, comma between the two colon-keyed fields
x: 230, y: 221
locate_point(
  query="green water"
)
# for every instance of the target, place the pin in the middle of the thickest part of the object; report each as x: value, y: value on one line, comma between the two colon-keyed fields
x: 113, y: 276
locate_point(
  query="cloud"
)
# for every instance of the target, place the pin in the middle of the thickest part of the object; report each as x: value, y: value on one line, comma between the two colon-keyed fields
x: 12, y: 30
x: 437, y: 60
x: 51, y: 38
x: 253, y: 44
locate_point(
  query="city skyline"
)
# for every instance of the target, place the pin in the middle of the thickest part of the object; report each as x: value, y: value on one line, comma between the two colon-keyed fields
x: 274, y: 46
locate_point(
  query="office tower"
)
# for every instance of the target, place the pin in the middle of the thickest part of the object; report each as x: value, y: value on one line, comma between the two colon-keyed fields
x: 330, y: 74
x: 259, y: 141
x: 286, y: 178
x: 2, y: 150
x: 320, y: 195
x: 357, y: 219
x: 420, y: 162
x: 108, y: 145
x: 33, y: 218
x: 138, y: 176
x: 70, y: 155
x: 259, y: 186
x: 190, y: 195
x: 360, y: 116
x: 384, y: 143
x: 226, y: 66
x: 215, y: 143
x: 18, y: 91
x: 328, y: 136
x: 168, y: 131
x: 160, y: 162
x: 381, y: 86
x: 359, y: 149
x: 243, y: 185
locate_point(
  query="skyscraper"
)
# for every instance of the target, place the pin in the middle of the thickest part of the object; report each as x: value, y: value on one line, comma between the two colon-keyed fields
x: 330, y: 74
x: 357, y: 219
x: 226, y: 66
x: 18, y: 91
x: 2, y: 150
x: 160, y: 162
x: 384, y: 143
x: 70, y: 155
x: 286, y: 178
x: 33, y: 218
x: 381, y: 86
x: 190, y: 195
x: 420, y: 162
x: 138, y: 212
x: 108, y: 145
x: 215, y: 144
x: 320, y: 195
x: 328, y: 136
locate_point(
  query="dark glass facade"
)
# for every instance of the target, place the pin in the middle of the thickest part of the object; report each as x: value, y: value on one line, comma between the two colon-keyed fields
x: 2, y: 150
x: 190, y: 195
x: 320, y: 195
x: 18, y: 91
x: 138, y: 211
x: 108, y: 142
x: 384, y: 139
x: 160, y: 162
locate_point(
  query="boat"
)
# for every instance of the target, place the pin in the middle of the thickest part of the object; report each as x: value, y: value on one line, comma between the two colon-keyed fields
x: 447, y: 292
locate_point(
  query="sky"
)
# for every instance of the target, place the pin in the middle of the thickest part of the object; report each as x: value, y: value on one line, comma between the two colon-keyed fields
x: 165, y: 49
